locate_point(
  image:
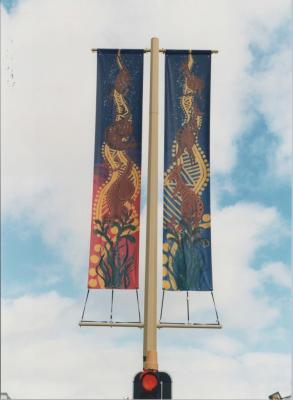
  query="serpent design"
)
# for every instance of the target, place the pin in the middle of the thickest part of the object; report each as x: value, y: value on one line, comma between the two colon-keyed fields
x: 186, y: 178
x: 115, y: 213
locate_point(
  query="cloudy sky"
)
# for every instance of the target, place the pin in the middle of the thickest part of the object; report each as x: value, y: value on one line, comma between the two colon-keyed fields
x: 48, y: 117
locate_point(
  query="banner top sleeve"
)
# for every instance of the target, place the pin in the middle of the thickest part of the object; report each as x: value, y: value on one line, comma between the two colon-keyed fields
x: 122, y: 51
x: 194, y: 52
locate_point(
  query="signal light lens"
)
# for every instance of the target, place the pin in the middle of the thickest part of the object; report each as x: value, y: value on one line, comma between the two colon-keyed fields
x: 149, y: 381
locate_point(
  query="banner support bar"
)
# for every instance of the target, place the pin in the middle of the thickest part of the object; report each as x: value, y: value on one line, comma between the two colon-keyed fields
x: 160, y: 51
x: 189, y: 325
x: 113, y: 324
x: 164, y: 51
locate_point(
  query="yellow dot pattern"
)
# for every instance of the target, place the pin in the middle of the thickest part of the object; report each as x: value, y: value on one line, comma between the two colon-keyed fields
x: 94, y: 259
x: 166, y: 284
x: 98, y: 248
x: 166, y: 246
x: 206, y: 217
x: 93, y: 283
x: 114, y: 230
x: 174, y: 249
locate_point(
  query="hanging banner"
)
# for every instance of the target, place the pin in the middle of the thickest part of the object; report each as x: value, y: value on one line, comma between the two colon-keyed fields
x: 186, y: 232
x: 114, y: 248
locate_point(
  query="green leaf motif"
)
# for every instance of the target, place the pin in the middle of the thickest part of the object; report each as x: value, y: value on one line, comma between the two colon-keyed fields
x: 129, y: 227
x: 129, y: 237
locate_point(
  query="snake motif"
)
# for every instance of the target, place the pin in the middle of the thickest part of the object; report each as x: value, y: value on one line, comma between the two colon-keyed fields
x: 115, y: 214
x: 191, y: 178
x: 186, y: 215
x: 123, y: 184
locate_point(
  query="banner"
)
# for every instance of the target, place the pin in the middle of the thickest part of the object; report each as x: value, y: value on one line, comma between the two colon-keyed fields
x: 114, y: 244
x: 186, y: 232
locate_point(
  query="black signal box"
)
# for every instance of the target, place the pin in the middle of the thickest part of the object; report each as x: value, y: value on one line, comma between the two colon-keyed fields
x: 162, y: 391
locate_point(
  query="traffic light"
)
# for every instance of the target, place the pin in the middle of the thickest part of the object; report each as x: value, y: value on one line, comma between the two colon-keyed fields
x: 151, y: 384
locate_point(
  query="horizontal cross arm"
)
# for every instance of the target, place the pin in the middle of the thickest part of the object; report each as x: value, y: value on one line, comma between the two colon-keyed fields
x: 113, y: 324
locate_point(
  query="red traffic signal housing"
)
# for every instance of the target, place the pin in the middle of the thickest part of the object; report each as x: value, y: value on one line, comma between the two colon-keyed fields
x: 151, y: 384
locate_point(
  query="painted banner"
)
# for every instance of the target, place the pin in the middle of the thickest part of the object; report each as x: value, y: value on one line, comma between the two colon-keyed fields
x: 114, y: 248
x: 186, y: 232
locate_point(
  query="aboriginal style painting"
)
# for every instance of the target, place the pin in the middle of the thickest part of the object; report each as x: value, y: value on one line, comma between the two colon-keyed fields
x: 114, y: 248
x: 186, y: 231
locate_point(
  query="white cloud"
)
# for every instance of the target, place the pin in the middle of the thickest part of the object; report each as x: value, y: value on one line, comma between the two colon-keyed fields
x: 223, y: 344
x: 277, y: 273
x: 244, y: 377
x: 47, y: 356
x: 239, y: 232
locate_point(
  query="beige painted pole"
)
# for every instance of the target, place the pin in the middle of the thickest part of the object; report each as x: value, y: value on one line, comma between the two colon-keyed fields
x: 150, y: 359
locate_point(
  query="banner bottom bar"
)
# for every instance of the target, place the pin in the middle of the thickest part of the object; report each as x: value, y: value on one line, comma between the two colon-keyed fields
x: 160, y: 325
x: 112, y: 324
x: 189, y: 325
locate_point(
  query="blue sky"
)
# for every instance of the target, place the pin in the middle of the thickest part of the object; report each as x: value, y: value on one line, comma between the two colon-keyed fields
x: 45, y: 229
x: 9, y: 4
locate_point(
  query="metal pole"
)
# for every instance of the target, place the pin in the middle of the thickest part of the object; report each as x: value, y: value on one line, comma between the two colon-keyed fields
x: 150, y: 360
